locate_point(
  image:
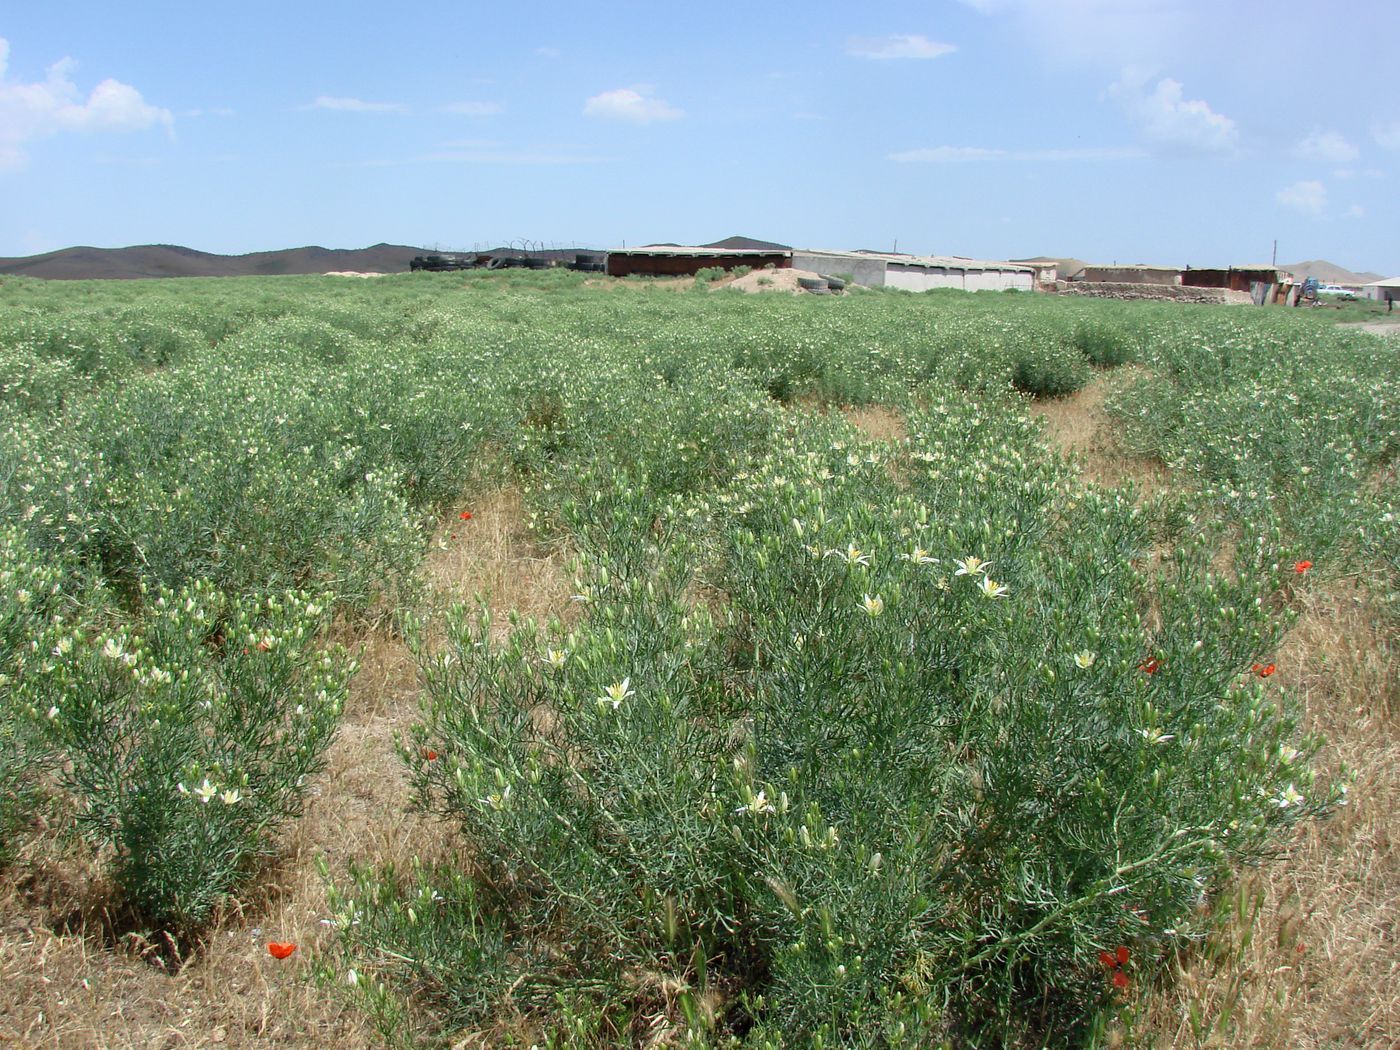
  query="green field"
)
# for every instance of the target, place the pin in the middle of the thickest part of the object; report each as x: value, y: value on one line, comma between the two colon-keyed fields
x: 596, y: 663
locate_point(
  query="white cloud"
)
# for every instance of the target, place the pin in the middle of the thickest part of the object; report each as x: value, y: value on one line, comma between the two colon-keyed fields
x: 1308, y: 196
x: 896, y: 45
x: 1387, y: 136
x: 31, y: 111
x: 1328, y: 147
x: 473, y: 109
x: 631, y: 104
x: 1166, y: 117
x: 1356, y: 211
x: 341, y: 104
x: 963, y: 154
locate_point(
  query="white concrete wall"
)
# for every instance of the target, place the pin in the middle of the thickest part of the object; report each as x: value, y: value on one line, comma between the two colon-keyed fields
x: 921, y: 279
x: 869, y: 272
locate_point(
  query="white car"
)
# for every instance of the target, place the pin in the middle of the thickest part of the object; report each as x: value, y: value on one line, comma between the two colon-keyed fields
x: 1337, y: 290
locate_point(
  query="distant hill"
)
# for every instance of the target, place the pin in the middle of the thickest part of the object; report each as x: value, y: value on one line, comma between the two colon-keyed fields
x: 1329, y: 273
x: 748, y: 244
x: 169, y: 260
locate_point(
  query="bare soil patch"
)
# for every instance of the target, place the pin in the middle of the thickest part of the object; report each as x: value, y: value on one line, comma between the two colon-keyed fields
x: 877, y: 422
x: 773, y: 281
x: 1078, y: 427
x: 1375, y: 327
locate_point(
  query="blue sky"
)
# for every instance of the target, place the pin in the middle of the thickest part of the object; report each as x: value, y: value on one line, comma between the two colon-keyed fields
x: 1113, y: 130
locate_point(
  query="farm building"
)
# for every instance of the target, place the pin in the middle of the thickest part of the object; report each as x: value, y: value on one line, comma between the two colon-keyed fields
x: 679, y: 260
x: 918, y: 273
x: 1235, y: 278
x: 1382, y: 290
x: 1135, y: 274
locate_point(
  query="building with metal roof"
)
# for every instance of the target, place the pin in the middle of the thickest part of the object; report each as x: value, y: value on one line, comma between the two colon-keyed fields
x: 918, y: 273
x: 680, y: 260
x: 1382, y: 290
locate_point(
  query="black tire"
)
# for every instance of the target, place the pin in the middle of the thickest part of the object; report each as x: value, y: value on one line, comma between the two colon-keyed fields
x: 812, y: 284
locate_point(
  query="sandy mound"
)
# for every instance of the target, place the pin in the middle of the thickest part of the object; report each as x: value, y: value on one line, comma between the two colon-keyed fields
x: 772, y: 281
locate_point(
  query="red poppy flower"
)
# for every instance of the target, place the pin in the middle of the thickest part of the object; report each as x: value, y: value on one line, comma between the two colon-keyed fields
x: 1150, y: 666
x: 466, y: 515
x: 430, y: 754
x: 263, y: 647
x: 1264, y: 670
x: 1120, y: 980
x: 1301, y: 567
x: 279, y: 950
x: 1108, y: 960
x: 1122, y: 955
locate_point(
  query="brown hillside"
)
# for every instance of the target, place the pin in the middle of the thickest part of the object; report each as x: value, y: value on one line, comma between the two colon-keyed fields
x: 169, y: 260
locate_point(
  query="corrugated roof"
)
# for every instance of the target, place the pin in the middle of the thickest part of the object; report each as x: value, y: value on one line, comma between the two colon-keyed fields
x: 695, y: 249
x: 1389, y: 282
x: 947, y: 262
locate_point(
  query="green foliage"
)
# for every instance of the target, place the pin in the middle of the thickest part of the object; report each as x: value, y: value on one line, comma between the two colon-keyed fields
x: 188, y: 739
x: 881, y: 779
x: 797, y: 772
x: 1049, y: 369
x: 1104, y: 344
x: 32, y: 611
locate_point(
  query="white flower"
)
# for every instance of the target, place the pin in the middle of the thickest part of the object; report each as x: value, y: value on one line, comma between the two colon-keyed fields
x: 873, y: 606
x: 616, y: 693
x: 556, y: 658
x: 971, y: 566
x: 180, y: 787
x: 1084, y: 659
x: 919, y: 556
x: 1156, y: 736
x: 112, y: 650
x: 352, y: 978
x: 498, y: 800
x: 231, y: 797
x: 1289, y: 755
x: 991, y: 589
x: 206, y: 791
x: 852, y: 555
x: 1291, y: 796
x: 52, y: 713
x: 757, y: 806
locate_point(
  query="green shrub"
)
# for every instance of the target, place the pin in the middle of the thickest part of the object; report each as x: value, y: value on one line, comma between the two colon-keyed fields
x: 33, y: 608
x: 1048, y: 368
x: 188, y: 740
x: 877, y: 780
x: 1103, y: 344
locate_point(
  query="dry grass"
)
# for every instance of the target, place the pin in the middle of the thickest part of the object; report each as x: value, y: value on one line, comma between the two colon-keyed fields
x: 65, y: 984
x: 877, y: 422
x: 1079, y: 427
x: 1313, y: 963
